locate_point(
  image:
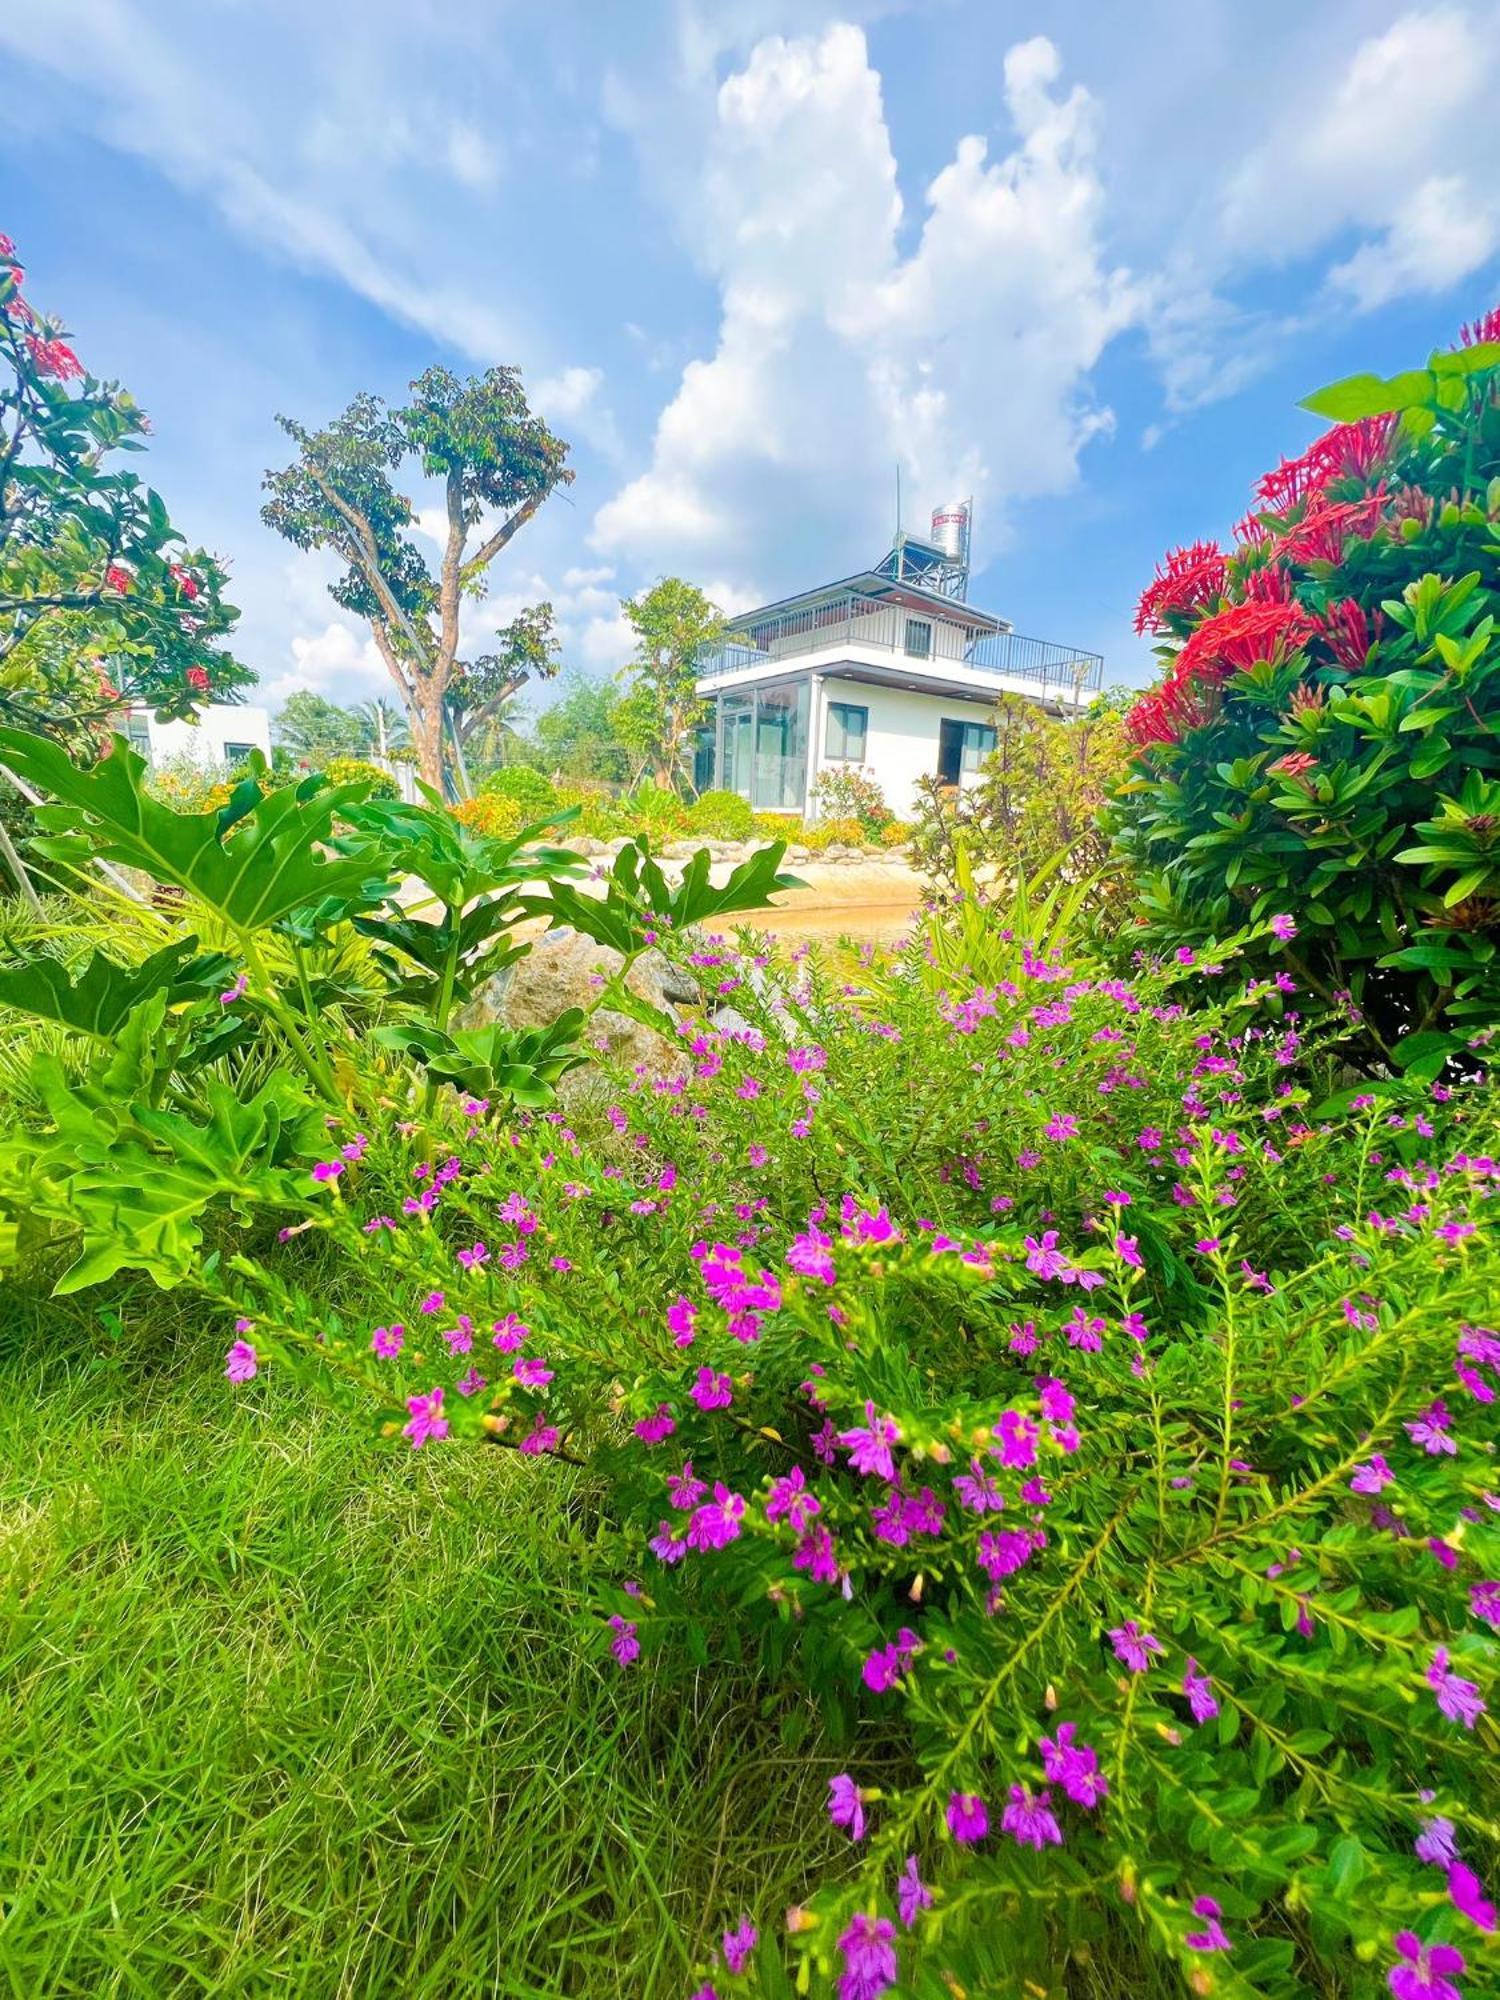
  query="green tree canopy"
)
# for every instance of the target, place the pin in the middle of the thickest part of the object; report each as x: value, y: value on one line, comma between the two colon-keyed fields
x: 673, y: 622
x: 315, y: 729
x: 493, y: 458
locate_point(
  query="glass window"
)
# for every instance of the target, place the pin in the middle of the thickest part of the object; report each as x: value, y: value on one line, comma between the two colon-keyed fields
x: 138, y: 730
x: 846, y: 730
x: 238, y: 753
x: 962, y: 749
x: 979, y: 741
x: 919, y: 638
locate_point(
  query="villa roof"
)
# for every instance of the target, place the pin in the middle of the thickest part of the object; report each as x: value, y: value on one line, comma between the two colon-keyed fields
x: 869, y: 583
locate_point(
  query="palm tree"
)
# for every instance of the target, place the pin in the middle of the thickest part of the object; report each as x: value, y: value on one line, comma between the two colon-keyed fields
x: 384, y: 724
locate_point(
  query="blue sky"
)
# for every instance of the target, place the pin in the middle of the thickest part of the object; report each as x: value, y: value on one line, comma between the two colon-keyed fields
x: 1079, y: 260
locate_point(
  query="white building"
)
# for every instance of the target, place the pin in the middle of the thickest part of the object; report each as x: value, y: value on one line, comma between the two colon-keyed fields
x: 221, y: 733
x: 891, y: 672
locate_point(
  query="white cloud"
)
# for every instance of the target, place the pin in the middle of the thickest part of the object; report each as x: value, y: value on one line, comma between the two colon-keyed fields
x: 966, y: 360
x: 1365, y: 154
x: 338, y: 662
x: 1438, y: 235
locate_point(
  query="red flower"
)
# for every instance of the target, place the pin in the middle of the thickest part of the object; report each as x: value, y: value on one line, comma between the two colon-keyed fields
x: 54, y: 357
x: 1242, y: 636
x: 119, y: 579
x: 1295, y: 765
x: 197, y: 677
x: 1271, y: 585
x: 1186, y: 580
x: 1349, y: 633
x: 1480, y: 331
x: 1348, y: 451
x: 186, y: 582
x: 1323, y: 531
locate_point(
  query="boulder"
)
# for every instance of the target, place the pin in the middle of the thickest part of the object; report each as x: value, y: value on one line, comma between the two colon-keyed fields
x: 564, y: 969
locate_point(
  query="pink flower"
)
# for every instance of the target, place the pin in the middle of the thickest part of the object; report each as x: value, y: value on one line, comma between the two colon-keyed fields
x: 241, y: 1363
x: 1030, y: 1821
x: 717, y: 1522
x: 845, y: 1806
x: 1212, y: 1937
x: 1285, y: 928
x: 1421, y: 1972
x: 531, y: 1372
x: 659, y: 1425
x: 870, y: 1966
x: 1371, y: 1476
x: 1457, y: 1698
x: 968, y: 1818
x: 869, y: 1445
x: 386, y: 1342
x: 790, y: 1500
x: 327, y: 1170
x: 1467, y: 1894
x: 427, y: 1419
x: 712, y: 1391
x: 1017, y: 1436
x: 625, y: 1645
x: 1199, y: 1691
x: 912, y: 1893
x: 235, y: 992
x: 1133, y: 1647
x: 1074, y: 1766
x: 739, y: 1943
x: 471, y: 1259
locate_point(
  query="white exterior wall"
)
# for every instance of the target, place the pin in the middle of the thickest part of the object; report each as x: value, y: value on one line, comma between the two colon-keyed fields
x: 901, y: 743
x: 203, y: 741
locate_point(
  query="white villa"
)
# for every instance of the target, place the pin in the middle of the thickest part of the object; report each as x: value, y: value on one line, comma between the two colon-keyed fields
x: 221, y: 733
x: 890, y: 671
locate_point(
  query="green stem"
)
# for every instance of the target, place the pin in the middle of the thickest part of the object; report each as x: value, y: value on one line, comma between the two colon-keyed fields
x: 314, y: 1062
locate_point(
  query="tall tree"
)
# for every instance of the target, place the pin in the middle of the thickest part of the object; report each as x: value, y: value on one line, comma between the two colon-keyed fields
x: 673, y: 623
x: 484, y: 691
x: 493, y: 457
x: 103, y: 604
x: 577, y: 737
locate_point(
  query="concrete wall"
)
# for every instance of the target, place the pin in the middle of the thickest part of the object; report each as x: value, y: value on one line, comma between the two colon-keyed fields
x: 203, y: 741
x: 901, y: 744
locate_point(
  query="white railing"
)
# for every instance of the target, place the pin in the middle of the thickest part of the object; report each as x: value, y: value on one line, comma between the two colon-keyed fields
x: 891, y: 628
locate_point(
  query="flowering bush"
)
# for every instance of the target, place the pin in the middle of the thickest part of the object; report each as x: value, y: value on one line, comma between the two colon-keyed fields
x: 851, y: 793
x: 1102, y: 1437
x: 1323, y: 742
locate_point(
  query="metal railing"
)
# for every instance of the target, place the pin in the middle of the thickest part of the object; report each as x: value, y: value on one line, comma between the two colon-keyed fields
x: 915, y: 637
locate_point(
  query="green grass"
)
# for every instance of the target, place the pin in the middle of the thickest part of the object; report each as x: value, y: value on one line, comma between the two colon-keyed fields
x: 286, y: 1713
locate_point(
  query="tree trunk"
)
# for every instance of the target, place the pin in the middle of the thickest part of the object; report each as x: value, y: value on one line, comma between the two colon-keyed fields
x: 427, y: 741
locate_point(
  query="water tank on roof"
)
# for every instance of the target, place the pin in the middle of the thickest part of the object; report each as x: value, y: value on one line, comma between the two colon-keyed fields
x: 950, y: 530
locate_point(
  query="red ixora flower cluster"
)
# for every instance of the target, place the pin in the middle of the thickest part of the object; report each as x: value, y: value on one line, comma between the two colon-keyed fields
x: 1186, y: 580
x: 1328, y: 526
x: 197, y: 677
x: 1240, y: 636
x: 1479, y: 332
x: 50, y: 355
x: 1348, y: 451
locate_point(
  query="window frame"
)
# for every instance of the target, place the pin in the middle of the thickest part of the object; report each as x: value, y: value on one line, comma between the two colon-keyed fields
x: 923, y: 652
x: 846, y: 709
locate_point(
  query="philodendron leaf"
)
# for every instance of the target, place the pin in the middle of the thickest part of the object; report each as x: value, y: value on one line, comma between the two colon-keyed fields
x: 253, y: 869
x: 519, y: 1065
x: 102, y: 997
x: 135, y: 1182
x: 639, y: 903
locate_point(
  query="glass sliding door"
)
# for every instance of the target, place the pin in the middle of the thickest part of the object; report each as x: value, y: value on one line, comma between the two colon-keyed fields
x: 737, y: 727
x: 781, y: 748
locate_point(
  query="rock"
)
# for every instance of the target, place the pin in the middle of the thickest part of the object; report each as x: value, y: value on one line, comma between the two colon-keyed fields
x: 564, y: 969
x: 798, y: 854
x: 729, y: 1021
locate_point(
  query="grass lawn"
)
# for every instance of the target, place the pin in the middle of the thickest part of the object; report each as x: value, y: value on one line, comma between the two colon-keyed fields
x: 285, y: 1712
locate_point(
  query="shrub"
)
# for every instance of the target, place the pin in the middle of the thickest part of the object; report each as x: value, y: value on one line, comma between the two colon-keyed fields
x: 1056, y: 1409
x: 491, y: 814
x: 1324, y: 740
x: 851, y: 793
x: 834, y: 833
x: 1038, y: 797
x: 653, y: 810
x: 721, y: 816
x: 526, y: 788
x: 359, y: 771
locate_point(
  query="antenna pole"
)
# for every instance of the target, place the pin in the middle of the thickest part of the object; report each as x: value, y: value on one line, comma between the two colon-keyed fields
x: 898, y: 499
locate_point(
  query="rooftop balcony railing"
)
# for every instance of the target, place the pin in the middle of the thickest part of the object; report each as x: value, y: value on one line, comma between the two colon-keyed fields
x: 917, y: 639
